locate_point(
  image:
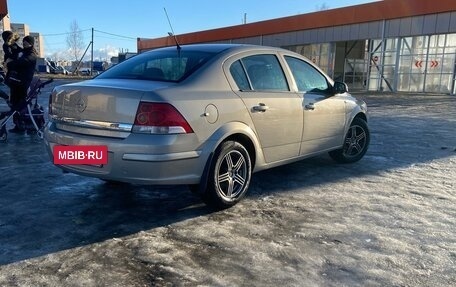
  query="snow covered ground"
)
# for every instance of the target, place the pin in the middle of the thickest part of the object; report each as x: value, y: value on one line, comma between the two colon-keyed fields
x: 388, y: 220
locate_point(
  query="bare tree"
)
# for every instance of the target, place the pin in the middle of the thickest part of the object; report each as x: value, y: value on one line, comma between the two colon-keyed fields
x: 322, y: 7
x: 55, y: 56
x: 75, y: 40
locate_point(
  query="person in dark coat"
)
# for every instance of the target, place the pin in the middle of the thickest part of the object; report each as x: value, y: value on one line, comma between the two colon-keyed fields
x: 25, y: 68
x: 11, y: 52
x: 10, y: 47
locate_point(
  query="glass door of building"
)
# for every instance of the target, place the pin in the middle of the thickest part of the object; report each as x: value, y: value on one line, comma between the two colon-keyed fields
x: 413, y: 64
x: 427, y: 63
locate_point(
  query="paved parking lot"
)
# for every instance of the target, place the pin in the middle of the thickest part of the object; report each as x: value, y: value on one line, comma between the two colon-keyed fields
x: 387, y: 220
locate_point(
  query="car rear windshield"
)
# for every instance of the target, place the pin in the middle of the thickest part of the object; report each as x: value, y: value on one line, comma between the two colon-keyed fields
x: 164, y: 65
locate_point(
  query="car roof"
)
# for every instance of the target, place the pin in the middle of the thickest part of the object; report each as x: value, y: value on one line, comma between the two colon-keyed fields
x: 217, y: 48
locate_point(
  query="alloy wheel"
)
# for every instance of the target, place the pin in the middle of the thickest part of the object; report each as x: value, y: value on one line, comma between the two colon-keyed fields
x: 355, y: 141
x: 232, y: 175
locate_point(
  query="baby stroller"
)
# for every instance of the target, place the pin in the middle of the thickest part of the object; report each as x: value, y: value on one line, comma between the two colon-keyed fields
x: 31, y: 117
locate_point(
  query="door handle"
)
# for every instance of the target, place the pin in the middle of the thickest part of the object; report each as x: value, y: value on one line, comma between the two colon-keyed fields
x: 310, y: 107
x: 260, y: 108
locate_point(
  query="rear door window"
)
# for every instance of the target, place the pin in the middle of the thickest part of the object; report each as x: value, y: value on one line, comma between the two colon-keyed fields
x: 259, y: 72
x: 238, y: 73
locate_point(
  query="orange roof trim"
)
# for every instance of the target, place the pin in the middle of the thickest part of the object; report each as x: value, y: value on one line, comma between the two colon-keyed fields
x: 382, y: 10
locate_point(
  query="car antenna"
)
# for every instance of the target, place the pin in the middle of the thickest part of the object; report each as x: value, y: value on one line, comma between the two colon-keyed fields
x: 172, y: 31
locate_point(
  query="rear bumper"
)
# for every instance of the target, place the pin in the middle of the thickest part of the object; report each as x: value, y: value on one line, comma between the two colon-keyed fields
x: 141, y: 159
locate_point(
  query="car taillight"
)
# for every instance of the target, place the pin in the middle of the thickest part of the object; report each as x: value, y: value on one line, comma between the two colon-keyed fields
x: 159, y: 118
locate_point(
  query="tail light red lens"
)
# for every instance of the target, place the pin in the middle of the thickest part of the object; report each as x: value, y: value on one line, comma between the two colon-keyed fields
x: 159, y: 118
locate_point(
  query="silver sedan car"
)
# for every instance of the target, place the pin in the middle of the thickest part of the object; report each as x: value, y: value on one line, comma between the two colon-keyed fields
x: 207, y: 116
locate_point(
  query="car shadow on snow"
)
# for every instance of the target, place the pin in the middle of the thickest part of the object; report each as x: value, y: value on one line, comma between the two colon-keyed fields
x: 44, y: 211
x: 85, y: 211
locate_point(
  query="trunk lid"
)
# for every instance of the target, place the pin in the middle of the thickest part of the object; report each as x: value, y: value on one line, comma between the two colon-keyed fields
x: 100, y: 107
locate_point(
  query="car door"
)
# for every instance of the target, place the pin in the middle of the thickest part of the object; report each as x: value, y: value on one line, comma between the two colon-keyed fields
x: 323, y: 112
x: 275, y: 111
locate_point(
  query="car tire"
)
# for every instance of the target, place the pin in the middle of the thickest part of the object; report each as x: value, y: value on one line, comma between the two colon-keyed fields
x: 356, y: 143
x: 229, y: 176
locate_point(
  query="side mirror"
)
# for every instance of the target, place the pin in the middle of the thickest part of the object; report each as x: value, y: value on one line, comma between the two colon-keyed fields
x: 340, y: 88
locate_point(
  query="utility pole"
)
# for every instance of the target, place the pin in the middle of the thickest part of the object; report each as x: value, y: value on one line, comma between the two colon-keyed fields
x: 91, y: 57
